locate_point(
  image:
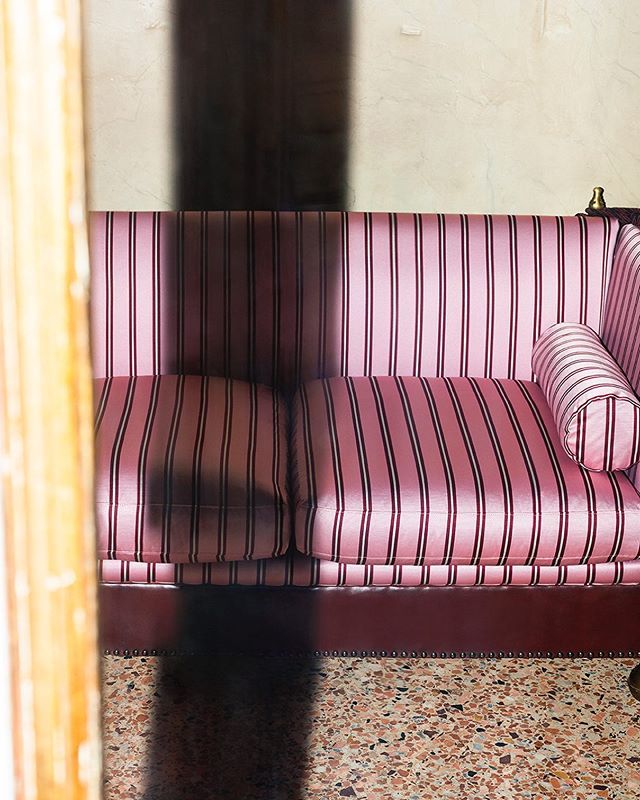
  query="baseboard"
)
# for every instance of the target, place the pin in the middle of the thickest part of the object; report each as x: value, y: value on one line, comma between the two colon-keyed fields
x: 421, y: 621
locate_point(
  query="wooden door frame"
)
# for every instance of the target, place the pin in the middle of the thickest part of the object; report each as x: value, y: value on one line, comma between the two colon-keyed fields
x: 46, y: 447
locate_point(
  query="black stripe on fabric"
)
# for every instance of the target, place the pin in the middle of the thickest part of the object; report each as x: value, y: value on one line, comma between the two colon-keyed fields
x: 476, y: 471
x: 155, y: 292
x: 196, y: 471
x: 514, y: 297
x: 393, y: 294
x: 251, y: 296
x: 276, y: 288
x: 114, y: 468
x: 310, y: 468
x: 250, y: 535
x: 584, y: 270
x: 621, y: 309
x: 102, y: 403
x: 289, y: 568
x: 133, y: 311
x: 465, y: 292
x: 604, y: 283
x: 507, y: 489
x: 538, y: 290
x: 633, y: 339
x: 418, y: 457
x: 617, y: 323
x: 442, y: 299
x: 618, y: 538
x: 322, y: 319
x: 392, y: 470
x: 367, y: 368
x: 223, y: 485
x: 279, y: 500
x: 419, y: 295
x: 530, y: 467
x: 226, y: 293
x: 109, y: 288
x: 491, y: 300
x: 167, y: 505
x: 635, y: 453
x: 346, y: 298
x: 365, y: 481
x: 337, y: 470
x: 204, y: 292
x: 452, y: 503
x: 180, y: 298
x: 563, y: 493
x: 561, y: 273
x: 315, y: 572
x: 299, y: 309
x: 152, y: 409
x: 609, y: 429
x: 581, y: 419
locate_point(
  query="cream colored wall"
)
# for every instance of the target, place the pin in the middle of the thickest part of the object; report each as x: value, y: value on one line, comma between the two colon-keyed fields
x: 495, y: 105
x: 128, y: 103
x: 499, y: 105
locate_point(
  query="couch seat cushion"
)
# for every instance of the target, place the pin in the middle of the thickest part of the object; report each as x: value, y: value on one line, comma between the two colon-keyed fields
x: 449, y: 471
x: 189, y: 469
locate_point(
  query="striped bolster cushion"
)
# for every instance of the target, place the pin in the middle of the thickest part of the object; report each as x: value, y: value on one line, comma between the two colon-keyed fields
x: 593, y: 404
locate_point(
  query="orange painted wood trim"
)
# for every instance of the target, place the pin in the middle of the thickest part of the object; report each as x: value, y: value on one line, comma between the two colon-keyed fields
x: 45, y: 396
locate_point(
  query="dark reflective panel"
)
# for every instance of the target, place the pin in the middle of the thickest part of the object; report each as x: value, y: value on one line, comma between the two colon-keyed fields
x: 261, y: 103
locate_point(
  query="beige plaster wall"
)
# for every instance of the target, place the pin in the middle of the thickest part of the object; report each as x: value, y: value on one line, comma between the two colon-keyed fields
x: 128, y: 103
x: 456, y: 105
x: 498, y: 105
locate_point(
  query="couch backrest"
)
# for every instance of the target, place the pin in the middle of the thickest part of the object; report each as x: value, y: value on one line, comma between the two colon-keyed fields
x: 283, y: 297
x: 621, y: 323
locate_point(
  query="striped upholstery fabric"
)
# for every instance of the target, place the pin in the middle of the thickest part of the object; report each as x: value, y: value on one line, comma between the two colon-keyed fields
x: 189, y: 469
x: 282, y: 298
x: 304, y: 571
x: 427, y: 471
x: 621, y: 324
x: 596, y: 412
x: 277, y: 299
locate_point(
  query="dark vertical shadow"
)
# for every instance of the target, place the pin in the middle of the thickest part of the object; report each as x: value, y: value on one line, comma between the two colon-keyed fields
x: 261, y: 103
x: 228, y: 725
x: 261, y: 117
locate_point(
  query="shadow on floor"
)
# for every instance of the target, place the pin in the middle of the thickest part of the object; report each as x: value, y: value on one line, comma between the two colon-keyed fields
x: 261, y: 122
x: 230, y: 727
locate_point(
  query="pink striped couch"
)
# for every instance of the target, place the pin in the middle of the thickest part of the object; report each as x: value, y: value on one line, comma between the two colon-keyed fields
x: 332, y: 419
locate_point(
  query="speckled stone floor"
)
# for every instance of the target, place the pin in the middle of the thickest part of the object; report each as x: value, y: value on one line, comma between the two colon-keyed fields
x: 289, y: 729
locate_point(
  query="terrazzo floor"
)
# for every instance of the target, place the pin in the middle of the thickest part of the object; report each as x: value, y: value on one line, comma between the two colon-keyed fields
x: 199, y: 728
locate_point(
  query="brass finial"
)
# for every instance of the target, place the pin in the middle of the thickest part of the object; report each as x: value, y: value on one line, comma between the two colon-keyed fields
x: 597, y: 202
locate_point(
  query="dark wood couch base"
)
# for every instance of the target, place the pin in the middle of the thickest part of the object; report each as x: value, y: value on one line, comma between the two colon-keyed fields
x: 377, y: 621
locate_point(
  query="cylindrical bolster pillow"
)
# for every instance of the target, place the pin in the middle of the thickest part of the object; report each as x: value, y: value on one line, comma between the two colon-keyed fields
x: 593, y: 404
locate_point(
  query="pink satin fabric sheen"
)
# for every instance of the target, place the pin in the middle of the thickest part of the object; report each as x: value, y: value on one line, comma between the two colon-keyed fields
x: 190, y: 469
x: 449, y: 471
x: 281, y: 298
x: 301, y: 570
x: 621, y: 324
x: 277, y: 299
x: 596, y: 412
